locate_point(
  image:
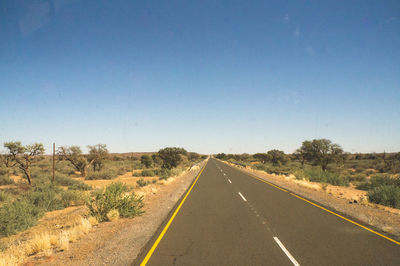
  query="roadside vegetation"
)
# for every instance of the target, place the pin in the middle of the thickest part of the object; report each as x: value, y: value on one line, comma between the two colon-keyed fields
x: 320, y: 160
x: 28, y: 190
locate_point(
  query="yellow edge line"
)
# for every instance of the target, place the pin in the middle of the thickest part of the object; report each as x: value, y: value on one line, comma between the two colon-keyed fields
x: 316, y: 205
x: 260, y: 179
x: 151, y: 251
x: 344, y: 218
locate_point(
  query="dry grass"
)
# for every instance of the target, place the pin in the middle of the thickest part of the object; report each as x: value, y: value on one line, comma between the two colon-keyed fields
x: 15, y: 254
x: 93, y: 220
x: 44, y: 243
x: 85, y: 226
x: 47, y: 236
x: 113, y: 215
x: 63, y: 241
x: 40, y: 243
x: 73, y: 234
x: 53, y: 240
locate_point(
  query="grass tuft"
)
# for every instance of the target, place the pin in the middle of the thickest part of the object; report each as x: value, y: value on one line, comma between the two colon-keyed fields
x: 113, y: 215
x: 40, y: 243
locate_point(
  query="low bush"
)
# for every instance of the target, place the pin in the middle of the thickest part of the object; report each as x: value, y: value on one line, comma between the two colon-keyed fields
x: 115, y: 196
x: 4, y: 196
x: 273, y: 169
x: 163, y: 173
x: 259, y: 166
x: 148, y: 173
x: 176, y: 171
x: 113, y: 215
x: 5, y: 180
x: 64, y: 180
x: 17, y: 216
x: 105, y: 174
x: 64, y: 167
x: 300, y: 174
x: 137, y: 174
x: 72, y: 197
x: 136, y: 165
x: 142, y: 183
x: 4, y: 171
x: 79, y: 186
x: 379, y: 180
x: 46, y: 197
x: 71, y: 183
x: 357, y: 178
x: 318, y: 175
x: 388, y: 195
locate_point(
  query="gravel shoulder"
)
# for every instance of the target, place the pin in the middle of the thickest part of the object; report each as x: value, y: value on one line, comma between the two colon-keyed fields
x: 346, y: 200
x: 119, y: 242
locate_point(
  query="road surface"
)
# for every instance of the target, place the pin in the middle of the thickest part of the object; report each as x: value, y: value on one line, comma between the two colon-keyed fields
x: 232, y: 218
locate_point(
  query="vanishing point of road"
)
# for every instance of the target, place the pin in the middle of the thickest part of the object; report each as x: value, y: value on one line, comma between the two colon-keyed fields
x: 231, y: 218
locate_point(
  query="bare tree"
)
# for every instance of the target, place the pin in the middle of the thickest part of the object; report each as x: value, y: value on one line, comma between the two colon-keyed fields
x: 24, y: 156
x: 97, y: 154
x: 321, y: 152
x: 74, y: 155
x: 7, y: 161
x: 262, y: 157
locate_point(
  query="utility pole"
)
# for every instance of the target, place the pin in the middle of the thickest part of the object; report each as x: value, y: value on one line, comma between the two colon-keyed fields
x: 54, y: 160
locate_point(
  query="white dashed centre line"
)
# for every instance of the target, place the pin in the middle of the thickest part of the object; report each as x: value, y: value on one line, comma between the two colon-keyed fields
x: 240, y: 194
x: 286, y: 251
x: 229, y: 181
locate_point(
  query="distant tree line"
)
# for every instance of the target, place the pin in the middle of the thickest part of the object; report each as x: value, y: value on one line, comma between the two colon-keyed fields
x: 320, y: 152
x: 24, y: 156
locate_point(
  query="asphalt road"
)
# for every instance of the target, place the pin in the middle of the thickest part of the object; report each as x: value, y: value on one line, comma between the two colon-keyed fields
x: 231, y: 218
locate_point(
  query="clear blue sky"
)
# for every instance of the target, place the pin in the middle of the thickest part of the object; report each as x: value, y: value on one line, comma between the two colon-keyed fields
x: 209, y: 76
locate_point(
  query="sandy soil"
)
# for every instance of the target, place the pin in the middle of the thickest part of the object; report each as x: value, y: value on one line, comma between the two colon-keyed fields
x: 347, y: 200
x: 119, y: 242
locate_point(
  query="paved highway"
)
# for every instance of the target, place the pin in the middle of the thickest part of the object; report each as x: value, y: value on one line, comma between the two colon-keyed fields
x: 231, y: 218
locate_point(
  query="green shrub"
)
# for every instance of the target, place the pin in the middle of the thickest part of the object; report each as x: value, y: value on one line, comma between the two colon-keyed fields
x: 141, y: 182
x: 318, y: 175
x: 336, y: 179
x: 146, y: 160
x: 137, y: 174
x: 370, y: 172
x: 72, y: 197
x: 17, y: 216
x: 46, y: 197
x: 176, y: 171
x: 121, y: 171
x: 105, y: 174
x: 163, y: 173
x: 4, y: 196
x: 115, y: 196
x: 148, y: 173
x: 71, y: 183
x: 79, y: 186
x: 64, y: 180
x: 388, y: 195
x: 64, y: 167
x: 144, y: 173
x: 300, y: 174
x: 379, y: 180
x: 5, y: 180
x: 357, y: 178
x: 259, y: 166
x: 4, y: 171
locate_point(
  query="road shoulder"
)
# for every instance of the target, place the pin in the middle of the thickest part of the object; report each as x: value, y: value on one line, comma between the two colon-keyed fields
x: 119, y: 243
x: 383, y: 218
